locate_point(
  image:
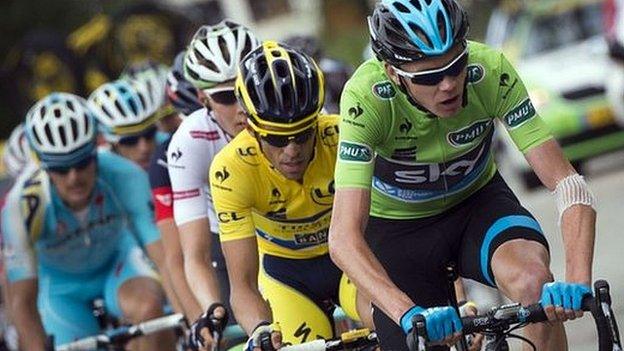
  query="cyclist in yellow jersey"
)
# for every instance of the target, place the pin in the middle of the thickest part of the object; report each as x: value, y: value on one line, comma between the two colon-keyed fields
x: 272, y: 187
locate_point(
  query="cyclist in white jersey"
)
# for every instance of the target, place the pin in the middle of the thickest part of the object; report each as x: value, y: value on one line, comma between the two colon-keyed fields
x: 210, y: 65
x: 16, y: 153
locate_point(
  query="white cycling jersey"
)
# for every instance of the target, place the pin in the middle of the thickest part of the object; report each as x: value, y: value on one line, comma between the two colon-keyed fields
x: 191, y: 151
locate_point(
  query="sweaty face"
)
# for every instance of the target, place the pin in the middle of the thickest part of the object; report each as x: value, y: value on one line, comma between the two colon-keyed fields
x: 443, y: 99
x: 225, y: 108
x: 75, y: 186
x: 290, y: 160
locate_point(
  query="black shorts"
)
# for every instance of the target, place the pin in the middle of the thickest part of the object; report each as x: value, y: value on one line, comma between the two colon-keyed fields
x: 415, y: 252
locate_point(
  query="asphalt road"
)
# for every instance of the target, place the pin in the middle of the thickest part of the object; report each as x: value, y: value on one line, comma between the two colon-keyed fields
x: 606, y: 179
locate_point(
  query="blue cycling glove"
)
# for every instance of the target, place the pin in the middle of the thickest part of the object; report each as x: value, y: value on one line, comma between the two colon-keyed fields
x: 567, y: 295
x: 441, y: 322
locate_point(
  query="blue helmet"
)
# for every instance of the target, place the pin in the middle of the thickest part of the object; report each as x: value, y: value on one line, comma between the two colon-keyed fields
x: 404, y: 31
x: 180, y: 92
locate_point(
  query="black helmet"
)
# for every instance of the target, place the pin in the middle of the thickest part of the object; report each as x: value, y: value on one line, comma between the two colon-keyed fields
x: 280, y: 87
x: 404, y: 31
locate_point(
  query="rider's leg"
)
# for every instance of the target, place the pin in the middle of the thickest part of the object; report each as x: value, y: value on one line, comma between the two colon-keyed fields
x: 520, y: 268
x: 355, y: 305
x: 132, y: 291
x: 141, y: 299
x: 295, y: 291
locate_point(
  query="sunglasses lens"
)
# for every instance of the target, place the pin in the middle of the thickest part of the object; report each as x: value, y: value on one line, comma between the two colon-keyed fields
x: 132, y: 140
x: 79, y: 166
x: 225, y: 97
x: 284, y: 140
x: 434, y: 78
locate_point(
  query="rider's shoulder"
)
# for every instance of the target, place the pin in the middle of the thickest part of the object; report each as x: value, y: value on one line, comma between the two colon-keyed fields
x: 240, y: 152
x: 367, y: 75
x: 483, y: 56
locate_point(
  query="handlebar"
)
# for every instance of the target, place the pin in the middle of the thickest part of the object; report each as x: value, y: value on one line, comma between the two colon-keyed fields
x: 501, y: 319
x: 121, y: 335
x: 354, y: 339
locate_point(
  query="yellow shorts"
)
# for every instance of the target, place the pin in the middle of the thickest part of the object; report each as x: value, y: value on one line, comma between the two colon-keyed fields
x: 303, y: 294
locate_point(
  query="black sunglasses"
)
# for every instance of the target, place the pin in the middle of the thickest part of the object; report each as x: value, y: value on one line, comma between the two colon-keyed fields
x: 283, y: 140
x: 435, y: 76
x: 224, y: 97
x: 132, y: 140
x: 78, y: 166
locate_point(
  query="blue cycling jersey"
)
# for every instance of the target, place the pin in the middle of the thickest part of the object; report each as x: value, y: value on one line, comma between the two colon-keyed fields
x: 40, y: 230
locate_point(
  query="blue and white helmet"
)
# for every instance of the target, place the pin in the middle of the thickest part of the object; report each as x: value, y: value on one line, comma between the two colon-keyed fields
x: 123, y: 107
x: 404, y: 31
x: 61, y: 130
x: 180, y: 92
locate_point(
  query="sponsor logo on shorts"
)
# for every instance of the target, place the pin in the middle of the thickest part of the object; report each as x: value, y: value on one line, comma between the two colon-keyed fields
x: 354, y: 152
x: 520, y: 114
x: 476, y: 73
x: 468, y: 134
x: 384, y: 90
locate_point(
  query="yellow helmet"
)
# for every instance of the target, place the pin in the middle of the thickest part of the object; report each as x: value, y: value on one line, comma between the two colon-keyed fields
x: 280, y: 88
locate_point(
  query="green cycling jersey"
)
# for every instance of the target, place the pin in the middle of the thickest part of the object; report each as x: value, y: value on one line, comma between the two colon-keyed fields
x: 415, y: 164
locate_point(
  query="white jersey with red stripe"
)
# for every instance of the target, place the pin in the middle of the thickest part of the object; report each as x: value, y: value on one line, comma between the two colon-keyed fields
x: 191, y: 151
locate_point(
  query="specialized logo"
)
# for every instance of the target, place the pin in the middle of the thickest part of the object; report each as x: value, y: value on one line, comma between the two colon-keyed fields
x: 384, y: 90
x: 468, y: 134
x: 476, y: 73
x: 405, y: 127
x: 504, y: 82
x: 355, y: 111
x: 226, y: 217
x: 354, y: 152
x: 176, y: 155
x: 520, y: 114
x: 323, y: 196
x: 222, y: 175
x: 404, y: 154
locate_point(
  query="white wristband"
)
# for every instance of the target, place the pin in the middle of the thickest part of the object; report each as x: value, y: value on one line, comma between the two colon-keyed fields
x: 572, y: 190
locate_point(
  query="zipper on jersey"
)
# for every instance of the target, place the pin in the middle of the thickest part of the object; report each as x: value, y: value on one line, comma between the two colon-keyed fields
x: 443, y: 153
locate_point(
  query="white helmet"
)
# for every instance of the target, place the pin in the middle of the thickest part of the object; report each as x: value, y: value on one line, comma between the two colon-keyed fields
x: 214, y: 52
x: 123, y: 107
x: 16, y: 154
x: 61, y: 129
x: 153, y: 75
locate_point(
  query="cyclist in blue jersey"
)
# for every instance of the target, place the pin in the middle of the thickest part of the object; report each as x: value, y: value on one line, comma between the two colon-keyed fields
x: 70, y: 231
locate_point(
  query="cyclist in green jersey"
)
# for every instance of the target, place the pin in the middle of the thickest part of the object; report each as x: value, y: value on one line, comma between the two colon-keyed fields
x: 417, y: 185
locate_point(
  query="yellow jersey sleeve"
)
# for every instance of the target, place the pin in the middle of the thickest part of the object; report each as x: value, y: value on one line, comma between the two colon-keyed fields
x: 232, y: 196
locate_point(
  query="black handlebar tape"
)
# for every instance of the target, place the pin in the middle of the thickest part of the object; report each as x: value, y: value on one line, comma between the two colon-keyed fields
x: 265, y: 342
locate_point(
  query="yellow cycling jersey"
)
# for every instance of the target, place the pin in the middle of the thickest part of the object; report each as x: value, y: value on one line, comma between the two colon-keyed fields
x: 289, y: 219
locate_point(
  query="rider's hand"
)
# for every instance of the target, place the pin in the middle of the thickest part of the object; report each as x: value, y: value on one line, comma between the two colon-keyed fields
x: 442, y: 323
x: 213, y: 320
x: 469, y: 308
x: 562, y: 301
x: 265, y: 337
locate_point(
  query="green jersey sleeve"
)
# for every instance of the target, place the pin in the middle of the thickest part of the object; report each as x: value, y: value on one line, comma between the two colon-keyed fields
x: 361, y: 131
x: 515, y: 109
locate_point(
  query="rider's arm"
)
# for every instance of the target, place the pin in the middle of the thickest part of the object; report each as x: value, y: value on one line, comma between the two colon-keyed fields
x: 21, y: 270
x: 578, y: 222
x: 25, y: 315
x: 350, y: 252
x: 188, y: 174
x: 241, y: 257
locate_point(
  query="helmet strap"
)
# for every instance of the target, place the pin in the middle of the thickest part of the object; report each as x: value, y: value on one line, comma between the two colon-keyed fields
x: 410, y: 98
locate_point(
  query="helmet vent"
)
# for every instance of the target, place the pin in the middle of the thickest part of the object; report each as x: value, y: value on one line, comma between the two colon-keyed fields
x: 63, y: 136
x: 202, y: 61
x: 142, y: 99
x: 276, y: 53
x: 401, y: 7
x: 441, y: 25
x: 36, y: 136
x: 416, y: 4
x: 224, y: 48
x: 420, y: 33
x: 287, y: 99
x: 70, y: 105
x: 119, y: 108
x: 48, y: 132
x: 133, y: 107
x: 74, y: 129
x: 281, y: 69
x: 57, y: 112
